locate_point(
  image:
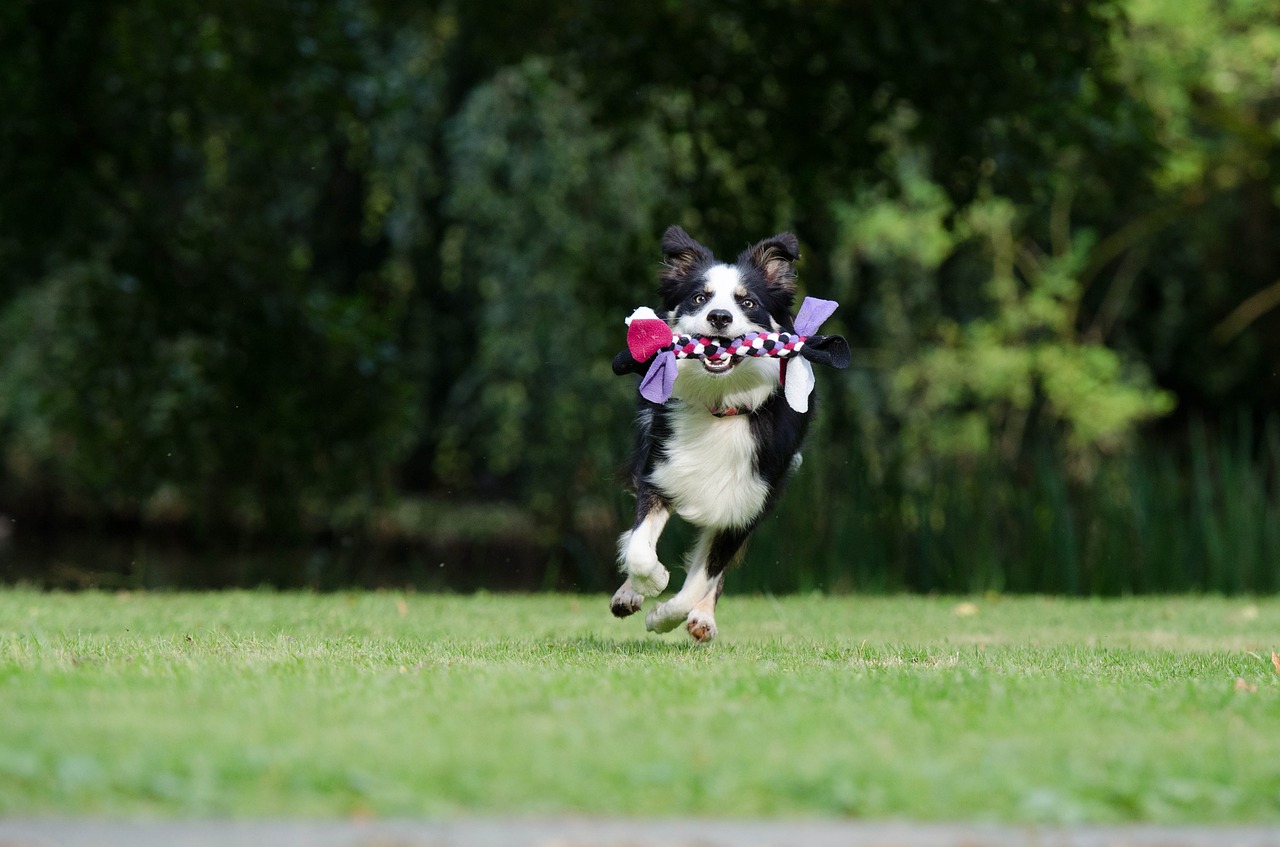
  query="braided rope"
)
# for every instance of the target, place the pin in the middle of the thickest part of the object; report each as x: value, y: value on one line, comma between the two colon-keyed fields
x: 778, y: 345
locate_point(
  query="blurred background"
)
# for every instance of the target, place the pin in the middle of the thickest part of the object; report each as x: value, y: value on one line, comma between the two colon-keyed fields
x: 325, y: 293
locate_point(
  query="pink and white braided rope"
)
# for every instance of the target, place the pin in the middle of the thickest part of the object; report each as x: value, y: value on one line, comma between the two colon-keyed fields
x: 778, y: 345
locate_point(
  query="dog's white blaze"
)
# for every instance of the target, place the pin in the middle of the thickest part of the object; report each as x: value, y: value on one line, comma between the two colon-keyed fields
x: 709, y: 469
x: 724, y: 281
x: 723, y: 285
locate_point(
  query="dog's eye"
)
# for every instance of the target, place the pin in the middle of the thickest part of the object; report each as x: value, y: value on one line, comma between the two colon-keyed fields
x: 748, y: 304
x: 699, y: 299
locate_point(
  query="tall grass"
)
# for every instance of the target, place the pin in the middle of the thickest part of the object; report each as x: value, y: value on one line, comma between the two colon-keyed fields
x: 1201, y: 513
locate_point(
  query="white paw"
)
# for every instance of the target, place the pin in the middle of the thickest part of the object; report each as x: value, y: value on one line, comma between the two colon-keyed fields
x: 701, y: 626
x: 666, y: 617
x: 650, y: 583
x: 625, y: 601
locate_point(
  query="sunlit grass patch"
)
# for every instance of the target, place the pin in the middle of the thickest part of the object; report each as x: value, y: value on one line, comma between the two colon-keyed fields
x: 264, y: 704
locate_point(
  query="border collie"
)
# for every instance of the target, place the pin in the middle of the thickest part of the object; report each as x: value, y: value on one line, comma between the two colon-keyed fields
x: 719, y: 452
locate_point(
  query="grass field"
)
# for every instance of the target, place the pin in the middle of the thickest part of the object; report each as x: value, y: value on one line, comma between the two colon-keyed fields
x: 1012, y: 709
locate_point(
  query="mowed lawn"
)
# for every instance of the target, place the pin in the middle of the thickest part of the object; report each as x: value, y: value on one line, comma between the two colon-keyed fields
x: 255, y: 704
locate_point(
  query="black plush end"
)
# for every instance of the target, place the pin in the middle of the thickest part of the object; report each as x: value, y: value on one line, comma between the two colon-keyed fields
x: 829, y: 350
x: 624, y: 364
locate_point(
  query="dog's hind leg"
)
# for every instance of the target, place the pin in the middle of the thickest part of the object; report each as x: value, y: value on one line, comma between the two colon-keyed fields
x: 726, y: 548
x: 701, y: 623
x: 638, y: 555
x: 669, y: 615
x: 714, y: 551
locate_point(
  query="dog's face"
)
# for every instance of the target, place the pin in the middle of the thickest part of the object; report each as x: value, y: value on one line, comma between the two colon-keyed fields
x: 706, y: 298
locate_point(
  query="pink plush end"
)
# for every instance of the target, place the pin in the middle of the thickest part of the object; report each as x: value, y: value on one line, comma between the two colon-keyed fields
x: 646, y: 336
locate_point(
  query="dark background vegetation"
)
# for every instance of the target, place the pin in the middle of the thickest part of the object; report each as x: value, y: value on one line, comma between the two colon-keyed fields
x: 324, y: 293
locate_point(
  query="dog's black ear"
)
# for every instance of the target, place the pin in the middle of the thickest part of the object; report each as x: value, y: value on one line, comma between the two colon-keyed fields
x: 682, y: 254
x: 776, y: 257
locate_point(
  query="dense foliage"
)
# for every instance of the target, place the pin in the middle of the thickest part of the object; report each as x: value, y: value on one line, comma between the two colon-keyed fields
x: 357, y: 268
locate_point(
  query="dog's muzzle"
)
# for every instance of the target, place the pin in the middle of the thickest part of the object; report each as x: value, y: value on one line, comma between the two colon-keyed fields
x: 721, y: 364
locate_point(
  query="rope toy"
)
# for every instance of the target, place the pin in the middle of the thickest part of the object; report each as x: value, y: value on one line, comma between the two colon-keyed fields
x: 650, y: 339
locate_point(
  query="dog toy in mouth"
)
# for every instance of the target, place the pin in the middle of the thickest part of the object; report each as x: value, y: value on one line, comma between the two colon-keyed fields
x: 650, y: 338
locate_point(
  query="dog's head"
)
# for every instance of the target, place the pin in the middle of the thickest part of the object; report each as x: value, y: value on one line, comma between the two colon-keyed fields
x: 707, y: 298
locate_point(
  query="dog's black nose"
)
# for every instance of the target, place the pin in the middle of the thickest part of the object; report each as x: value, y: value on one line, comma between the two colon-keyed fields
x: 719, y: 318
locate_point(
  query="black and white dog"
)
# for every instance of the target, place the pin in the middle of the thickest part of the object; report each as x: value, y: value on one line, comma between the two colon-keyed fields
x: 719, y: 452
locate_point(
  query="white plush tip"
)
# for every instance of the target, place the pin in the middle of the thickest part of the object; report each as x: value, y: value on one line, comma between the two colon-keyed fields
x: 799, y: 384
x: 643, y: 313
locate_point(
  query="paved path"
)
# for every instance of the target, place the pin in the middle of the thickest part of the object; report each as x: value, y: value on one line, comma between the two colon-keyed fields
x: 573, y: 832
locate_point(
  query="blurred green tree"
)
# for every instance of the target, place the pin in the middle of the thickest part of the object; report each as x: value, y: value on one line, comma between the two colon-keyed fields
x: 1009, y: 367
x: 202, y: 322
x: 549, y: 214
x: 1198, y: 258
x: 275, y: 266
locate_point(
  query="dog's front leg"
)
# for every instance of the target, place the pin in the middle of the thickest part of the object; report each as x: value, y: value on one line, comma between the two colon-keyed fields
x: 638, y: 556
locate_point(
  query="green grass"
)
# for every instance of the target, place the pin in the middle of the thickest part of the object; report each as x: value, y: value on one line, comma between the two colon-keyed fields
x: 261, y: 704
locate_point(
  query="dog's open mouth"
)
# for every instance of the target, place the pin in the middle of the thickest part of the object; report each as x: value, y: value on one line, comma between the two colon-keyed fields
x: 722, y: 364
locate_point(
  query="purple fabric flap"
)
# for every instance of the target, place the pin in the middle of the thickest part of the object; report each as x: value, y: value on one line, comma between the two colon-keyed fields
x: 661, y: 379
x: 813, y: 311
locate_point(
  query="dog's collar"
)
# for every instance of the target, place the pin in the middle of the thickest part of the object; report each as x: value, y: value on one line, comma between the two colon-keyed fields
x: 730, y: 411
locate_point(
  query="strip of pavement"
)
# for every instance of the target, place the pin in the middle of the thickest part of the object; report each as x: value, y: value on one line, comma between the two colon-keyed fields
x: 591, y: 832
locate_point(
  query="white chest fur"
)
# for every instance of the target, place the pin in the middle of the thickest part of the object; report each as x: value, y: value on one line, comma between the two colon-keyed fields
x: 708, y: 471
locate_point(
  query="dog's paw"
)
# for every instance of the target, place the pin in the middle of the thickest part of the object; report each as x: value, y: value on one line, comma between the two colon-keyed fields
x: 665, y: 617
x: 701, y: 626
x: 652, y: 583
x: 625, y: 601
